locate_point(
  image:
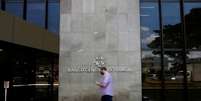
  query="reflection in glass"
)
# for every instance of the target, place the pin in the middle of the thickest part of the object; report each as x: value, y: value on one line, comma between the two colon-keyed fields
x: 36, y: 12
x: 150, y: 61
x: 173, y: 53
x: 34, y: 78
x: 193, y: 66
x: 193, y: 26
x: 53, y: 16
x: 15, y: 7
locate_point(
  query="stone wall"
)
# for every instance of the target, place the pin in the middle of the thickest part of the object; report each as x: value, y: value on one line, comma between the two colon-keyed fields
x: 93, y: 28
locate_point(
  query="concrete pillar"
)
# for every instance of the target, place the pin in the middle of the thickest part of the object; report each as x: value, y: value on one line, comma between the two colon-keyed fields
x: 99, y: 28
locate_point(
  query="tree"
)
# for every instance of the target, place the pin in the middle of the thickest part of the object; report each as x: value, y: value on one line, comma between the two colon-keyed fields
x: 173, y: 38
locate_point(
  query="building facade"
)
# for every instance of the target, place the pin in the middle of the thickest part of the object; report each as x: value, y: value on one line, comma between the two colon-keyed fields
x: 151, y: 47
x: 29, y: 48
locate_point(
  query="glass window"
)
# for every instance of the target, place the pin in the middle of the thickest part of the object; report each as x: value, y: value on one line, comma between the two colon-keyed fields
x: 193, y: 34
x: 14, y: 7
x: 36, y: 12
x: 34, y: 75
x: 194, y: 74
x: 53, y: 16
x: 193, y: 25
x: 171, y: 26
x: 0, y: 4
x: 150, y: 60
x: 173, y: 51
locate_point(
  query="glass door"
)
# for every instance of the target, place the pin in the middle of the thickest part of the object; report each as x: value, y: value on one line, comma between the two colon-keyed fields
x: 23, y: 75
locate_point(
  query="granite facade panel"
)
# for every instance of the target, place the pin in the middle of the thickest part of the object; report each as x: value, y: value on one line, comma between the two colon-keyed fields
x: 106, y: 28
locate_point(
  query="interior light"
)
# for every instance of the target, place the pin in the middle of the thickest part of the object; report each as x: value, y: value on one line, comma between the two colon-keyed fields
x: 1, y: 50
